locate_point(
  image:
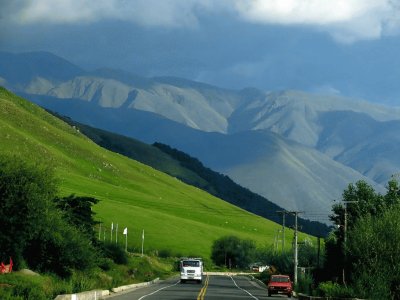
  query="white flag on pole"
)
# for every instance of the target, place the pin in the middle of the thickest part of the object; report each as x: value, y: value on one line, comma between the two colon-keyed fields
x: 142, y: 241
x: 125, y: 230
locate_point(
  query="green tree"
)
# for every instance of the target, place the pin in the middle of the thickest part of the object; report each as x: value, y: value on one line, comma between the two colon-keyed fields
x: 77, y: 211
x: 232, y: 252
x: 60, y: 248
x: 308, y: 255
x: 26, y: 193
x: 367, y: 211
x: 359, y: 200
x: 282, y: 262
x: 392, y: 196
x: 374, y: 247
x: 32, y: 230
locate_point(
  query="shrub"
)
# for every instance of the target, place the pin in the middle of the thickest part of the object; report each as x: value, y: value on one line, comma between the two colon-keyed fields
x: 105, y: 263
x: 26, y: 193
x: 305, y: 284
x: 81, y: 281
x: 281, y: 262
x: 333, y: 289
x: 233, y: 252
x: 32, y: 229
x: 60, y: 248
x: 164, y: 253
x: 115, y: 252
x: 264, y: 276
x: 24, y: 288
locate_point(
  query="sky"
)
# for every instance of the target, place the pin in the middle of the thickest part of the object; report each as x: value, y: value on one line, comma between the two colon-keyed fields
x: 347, y: 47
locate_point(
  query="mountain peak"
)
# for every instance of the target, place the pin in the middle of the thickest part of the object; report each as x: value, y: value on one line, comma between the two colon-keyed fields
x: 17, y: 68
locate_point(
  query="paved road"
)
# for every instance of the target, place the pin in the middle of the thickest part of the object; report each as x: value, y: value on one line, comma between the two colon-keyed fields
x: 212, y: 288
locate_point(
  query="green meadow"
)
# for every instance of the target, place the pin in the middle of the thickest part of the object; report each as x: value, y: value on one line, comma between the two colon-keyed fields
x: 175, y: 217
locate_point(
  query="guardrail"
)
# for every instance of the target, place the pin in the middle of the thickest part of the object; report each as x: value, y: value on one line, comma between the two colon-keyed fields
x: 100, y: 294
x: 89, y: 295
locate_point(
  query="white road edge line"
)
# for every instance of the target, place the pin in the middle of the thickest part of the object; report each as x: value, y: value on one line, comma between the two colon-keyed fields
x: 242, y: 289
x: 158, y: 290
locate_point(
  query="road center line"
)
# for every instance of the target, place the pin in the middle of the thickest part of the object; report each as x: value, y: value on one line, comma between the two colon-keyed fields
x: 243, y: 289
x: 158, y: 290
x: 203, y: 290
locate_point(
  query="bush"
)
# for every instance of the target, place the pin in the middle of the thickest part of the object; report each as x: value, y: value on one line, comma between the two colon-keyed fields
x: 164, y: 253
x: 32, y: 230
x: 233, y: 252
x: 281, y: 262
x: 24, y: 288
x: 264, y: 276
x: 105, y: 263
x: 81, y: 281
x: 333, y: 289
x: 305, y: 284
x: 26, y: 193
x: 60, y: 248
x: 115, y: 252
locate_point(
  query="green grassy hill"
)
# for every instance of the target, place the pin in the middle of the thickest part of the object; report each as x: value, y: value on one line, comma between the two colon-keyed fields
x: 191, y: 171
x: 175, y: 216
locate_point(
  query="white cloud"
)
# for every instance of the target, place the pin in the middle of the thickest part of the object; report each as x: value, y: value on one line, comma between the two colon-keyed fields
x: 144, y: 12
x: 345, y: 20
x: 62, y: 11
x: 313, y: 12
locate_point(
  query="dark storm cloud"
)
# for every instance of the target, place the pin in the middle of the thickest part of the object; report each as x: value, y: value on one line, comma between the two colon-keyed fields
x: 272, y: 44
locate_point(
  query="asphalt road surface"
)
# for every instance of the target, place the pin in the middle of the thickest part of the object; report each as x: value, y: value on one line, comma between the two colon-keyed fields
x: 212, y: 288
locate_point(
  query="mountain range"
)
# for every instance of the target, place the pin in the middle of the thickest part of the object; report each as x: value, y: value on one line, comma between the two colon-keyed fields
x: 178, y: 218
x: 191, y: 171
x: 298, y: 150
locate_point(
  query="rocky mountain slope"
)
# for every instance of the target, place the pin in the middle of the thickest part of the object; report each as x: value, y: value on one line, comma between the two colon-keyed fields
x: 298, y: 150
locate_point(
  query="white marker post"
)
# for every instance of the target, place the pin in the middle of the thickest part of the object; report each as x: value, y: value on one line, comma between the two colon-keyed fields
x: 116, y: 234
x: 126, y: 238
x: 112, y: 228
x: 142, y: 241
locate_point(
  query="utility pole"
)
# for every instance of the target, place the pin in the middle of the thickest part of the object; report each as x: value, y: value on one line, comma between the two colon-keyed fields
x: 319, y: 251
x: 345, y: 239
x: 296, y: 262
x: 295, y: 213
x: 283, y: 212
x: 276, y: 239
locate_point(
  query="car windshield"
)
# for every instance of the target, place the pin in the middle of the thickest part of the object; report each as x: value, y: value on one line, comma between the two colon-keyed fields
x: 190, y: 263
x: 279, y: 279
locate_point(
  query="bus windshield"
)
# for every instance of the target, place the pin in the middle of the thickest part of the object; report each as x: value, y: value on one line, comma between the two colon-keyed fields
x: 190, y: 263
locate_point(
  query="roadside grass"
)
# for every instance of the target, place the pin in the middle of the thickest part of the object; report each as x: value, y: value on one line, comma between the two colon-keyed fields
x: 174, y: 216
x: 21, y: 286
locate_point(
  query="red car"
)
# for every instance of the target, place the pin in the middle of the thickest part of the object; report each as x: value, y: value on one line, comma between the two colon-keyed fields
x: 280, y: 284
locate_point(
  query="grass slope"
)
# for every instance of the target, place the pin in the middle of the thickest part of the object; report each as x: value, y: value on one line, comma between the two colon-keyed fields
x: 191, y: 171
x: 175, y: 216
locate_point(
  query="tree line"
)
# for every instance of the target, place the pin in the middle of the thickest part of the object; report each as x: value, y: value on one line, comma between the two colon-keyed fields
x: 225, y: 188
x: 360, y: 256
x: 362, y: 252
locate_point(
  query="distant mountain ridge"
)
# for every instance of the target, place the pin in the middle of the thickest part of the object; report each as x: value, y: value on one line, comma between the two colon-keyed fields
x: 299, y: 150
x: 191, y: 171
x: 176, y: 217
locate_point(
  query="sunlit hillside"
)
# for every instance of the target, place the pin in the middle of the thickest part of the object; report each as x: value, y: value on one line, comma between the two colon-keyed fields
x: 175, y: 216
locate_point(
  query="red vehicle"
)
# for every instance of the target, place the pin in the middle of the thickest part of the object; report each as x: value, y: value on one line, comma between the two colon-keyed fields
x: 280, y: 284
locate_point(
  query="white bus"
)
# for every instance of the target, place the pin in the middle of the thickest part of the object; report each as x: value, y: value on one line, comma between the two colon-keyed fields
x: 191, y: 269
